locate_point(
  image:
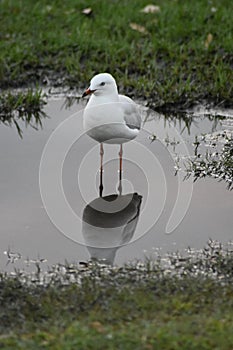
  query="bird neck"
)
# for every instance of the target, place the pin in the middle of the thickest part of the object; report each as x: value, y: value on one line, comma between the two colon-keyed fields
x: 106, y: 98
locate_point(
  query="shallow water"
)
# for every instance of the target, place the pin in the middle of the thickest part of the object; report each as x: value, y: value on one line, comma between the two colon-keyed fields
x: 142, y: 227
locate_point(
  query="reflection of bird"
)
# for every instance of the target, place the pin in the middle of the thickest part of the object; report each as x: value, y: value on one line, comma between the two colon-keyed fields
x: 108, y: 223
x: 110, y: 117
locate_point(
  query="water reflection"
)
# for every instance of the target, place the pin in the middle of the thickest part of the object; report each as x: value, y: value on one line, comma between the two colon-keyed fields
x: 30, y: 227
x: 109, y: 222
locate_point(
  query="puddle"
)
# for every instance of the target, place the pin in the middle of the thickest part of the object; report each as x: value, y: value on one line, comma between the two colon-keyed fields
x: 143, y: 215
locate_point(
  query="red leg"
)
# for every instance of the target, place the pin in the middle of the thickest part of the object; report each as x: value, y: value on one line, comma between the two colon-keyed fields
x: 120, y: 169
x: 101, y: 187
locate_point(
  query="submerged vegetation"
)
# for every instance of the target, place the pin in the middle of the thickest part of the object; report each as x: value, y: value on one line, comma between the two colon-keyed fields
x: 174, y: 53
x: 217, y: 161
x: 173, y: 302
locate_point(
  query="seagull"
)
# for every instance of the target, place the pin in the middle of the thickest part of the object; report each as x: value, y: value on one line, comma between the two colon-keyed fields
x: 110, y: 117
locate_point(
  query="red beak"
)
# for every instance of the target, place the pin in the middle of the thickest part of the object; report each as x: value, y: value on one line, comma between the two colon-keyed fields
x: 88, y: 92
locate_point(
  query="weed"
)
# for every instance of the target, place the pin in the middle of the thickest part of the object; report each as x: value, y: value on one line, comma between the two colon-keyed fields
x: 26, y: 107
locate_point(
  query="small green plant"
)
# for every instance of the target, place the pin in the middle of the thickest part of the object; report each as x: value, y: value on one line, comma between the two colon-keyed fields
x: 217, y: 163
x: 26, y: 107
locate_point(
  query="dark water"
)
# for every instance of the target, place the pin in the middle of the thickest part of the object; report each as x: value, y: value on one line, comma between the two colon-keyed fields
x: 137, y: 224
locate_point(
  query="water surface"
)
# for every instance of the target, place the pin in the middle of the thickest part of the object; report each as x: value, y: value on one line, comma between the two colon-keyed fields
x: 148, y: 171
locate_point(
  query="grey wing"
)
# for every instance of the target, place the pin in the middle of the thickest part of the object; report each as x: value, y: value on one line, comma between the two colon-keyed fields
x: 131, y: 111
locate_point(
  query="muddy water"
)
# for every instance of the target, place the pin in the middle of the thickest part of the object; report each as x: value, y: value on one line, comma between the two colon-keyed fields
x: 140, y: 221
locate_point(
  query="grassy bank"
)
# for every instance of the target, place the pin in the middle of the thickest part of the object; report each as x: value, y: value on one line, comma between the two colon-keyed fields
x: 186, y: 303
x: 179, y: 54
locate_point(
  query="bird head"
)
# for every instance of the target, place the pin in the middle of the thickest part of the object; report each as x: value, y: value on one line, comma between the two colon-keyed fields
x: 101, y: 84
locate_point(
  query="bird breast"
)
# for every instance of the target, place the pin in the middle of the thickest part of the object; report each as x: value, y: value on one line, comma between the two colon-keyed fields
x: 102, y: 114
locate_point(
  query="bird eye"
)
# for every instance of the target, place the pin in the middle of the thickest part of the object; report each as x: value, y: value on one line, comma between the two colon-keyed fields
x: 102, y: 84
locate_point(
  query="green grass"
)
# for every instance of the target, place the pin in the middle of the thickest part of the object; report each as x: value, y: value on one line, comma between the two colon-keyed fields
x: 168, y: 65
x: 139, y: 306
x: 22, y: 108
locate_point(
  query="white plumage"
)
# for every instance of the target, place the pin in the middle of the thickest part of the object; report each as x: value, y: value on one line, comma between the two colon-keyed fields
x: 108, y: 116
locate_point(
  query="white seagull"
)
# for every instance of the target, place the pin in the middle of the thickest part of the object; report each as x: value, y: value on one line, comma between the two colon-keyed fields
x: 109, y: 117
